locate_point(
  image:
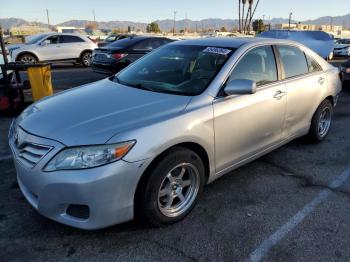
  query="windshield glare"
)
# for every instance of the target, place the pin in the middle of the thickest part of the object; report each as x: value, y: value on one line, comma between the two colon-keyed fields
x: 176, y: 69
x: 36, y: 39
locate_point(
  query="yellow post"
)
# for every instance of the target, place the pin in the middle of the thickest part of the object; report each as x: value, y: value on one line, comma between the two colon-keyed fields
x: 40, y: 81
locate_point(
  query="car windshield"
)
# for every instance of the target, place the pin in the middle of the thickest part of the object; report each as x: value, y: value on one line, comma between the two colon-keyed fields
x: 176, y: 69
x: 36, y: 39
x: 110, y: 38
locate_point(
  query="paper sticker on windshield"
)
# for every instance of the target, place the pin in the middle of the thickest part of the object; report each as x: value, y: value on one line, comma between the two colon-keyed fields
x: 216, y: 50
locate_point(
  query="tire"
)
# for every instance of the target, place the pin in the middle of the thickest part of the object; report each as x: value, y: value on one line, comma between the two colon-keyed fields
x: 172, y: 188
x: 321, y: 122
x: 27, y: 58
x: 85, y: 58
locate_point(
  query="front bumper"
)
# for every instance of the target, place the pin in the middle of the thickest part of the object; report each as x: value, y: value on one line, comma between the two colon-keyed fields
x: 107, y: 191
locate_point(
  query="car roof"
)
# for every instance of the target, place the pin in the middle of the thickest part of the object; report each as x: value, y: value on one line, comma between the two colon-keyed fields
x: 232, y: 42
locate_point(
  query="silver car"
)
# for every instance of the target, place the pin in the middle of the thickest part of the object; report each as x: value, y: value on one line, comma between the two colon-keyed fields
x: 55, y: 47
x: 144, y: 142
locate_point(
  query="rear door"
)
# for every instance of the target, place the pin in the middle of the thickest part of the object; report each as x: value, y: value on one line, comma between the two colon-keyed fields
x: 71, y: 46
x: 139, y: 49
x: 304, y: 78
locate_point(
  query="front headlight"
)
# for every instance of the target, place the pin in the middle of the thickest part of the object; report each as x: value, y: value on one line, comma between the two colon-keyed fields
x: 88, y: 156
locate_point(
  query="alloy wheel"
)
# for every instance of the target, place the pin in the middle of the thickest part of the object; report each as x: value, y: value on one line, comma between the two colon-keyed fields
x: 28, y: 59
x: 178, y: 190
x: 324, y: 122
x: 86, y: 59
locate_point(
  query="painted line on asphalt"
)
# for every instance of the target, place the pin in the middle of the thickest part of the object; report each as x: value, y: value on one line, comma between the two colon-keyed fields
x: 3, y: 158
x: 278, y: 235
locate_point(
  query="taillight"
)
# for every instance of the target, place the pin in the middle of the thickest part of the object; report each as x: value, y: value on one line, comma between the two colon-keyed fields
x: 119, y: 56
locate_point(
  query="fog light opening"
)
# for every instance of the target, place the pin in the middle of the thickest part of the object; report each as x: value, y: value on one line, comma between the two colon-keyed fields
x: 78, y: 211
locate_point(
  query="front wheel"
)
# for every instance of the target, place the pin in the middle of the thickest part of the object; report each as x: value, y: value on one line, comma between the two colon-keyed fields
x: 321, y: 122
x: 173, y: 187
x: 27, y: 59
x: 85, y: 58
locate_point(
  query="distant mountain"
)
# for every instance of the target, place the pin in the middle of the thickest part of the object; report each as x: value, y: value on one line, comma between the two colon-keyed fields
x: 9, y: 22
x: 167, y: 25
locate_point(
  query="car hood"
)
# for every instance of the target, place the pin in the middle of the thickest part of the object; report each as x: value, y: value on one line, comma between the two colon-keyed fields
x: 93, y: 113
x: 14, y: 46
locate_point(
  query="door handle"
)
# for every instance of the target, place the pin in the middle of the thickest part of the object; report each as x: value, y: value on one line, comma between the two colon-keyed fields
x: 279, y: 94
x: 321, y: 80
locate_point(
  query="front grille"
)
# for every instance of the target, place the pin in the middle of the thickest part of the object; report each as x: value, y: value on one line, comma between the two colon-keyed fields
x: 25, y: 150
x: 30, y: 153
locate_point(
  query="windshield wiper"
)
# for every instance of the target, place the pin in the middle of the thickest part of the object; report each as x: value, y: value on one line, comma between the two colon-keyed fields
x: 139, y: 86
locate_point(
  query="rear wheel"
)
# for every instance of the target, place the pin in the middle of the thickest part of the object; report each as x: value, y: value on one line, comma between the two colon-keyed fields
x: 27, y: 58
x: 173, y: 188
x: 321, y: 122
x: 86, y: 58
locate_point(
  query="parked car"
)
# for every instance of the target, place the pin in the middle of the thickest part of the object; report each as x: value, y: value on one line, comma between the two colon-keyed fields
x: 54, y: 47
x: 118, y: 55
x: 112, y: 38
x: 342, y: 47
x: 345, y: 71
x: 320, y: 42
x: 145, y: 142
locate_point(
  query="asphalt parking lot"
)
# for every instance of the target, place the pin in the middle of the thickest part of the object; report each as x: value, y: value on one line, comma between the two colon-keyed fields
x: 290, y: 205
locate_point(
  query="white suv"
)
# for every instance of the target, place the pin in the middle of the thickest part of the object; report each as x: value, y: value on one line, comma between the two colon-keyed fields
x: 54, y: 47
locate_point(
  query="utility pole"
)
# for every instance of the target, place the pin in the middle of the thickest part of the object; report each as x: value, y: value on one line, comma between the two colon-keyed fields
x: 48, y: 18
x: 93, y: 13
x: 242, y: 20
x: 239, y: 16
x: 174, y: 22
x: 290, y: 19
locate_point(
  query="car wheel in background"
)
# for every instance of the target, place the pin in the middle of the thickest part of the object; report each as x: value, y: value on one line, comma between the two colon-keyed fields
x: 321, y: 122
x: 27, y: 58
x: 85, y: 58
x: 172, y: 189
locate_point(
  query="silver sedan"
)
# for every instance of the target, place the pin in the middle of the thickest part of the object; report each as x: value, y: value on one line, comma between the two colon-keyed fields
x: 144, y: 142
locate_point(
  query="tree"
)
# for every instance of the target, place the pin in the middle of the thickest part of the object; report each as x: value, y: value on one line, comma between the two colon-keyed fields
x: 91, y: 25
x: 153, y: 28
x: 258, y: 26
x: 223, y: 29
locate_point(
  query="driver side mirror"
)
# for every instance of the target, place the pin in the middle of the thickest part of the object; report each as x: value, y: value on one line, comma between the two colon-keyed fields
x: 45, y: 42
x: 240, y: 87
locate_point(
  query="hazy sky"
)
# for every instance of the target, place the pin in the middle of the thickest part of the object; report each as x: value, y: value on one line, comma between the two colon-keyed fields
x: 149, y: 10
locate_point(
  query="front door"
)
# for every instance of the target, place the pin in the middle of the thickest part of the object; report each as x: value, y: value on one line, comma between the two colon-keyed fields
x: 248, y: 124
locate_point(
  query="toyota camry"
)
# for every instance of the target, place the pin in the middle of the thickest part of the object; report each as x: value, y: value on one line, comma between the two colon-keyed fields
x: 144, y: 142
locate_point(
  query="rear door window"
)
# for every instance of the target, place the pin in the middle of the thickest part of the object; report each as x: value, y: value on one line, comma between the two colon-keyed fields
x: 293, y: 61
x: 144, y: 45
x: 64, y: 39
